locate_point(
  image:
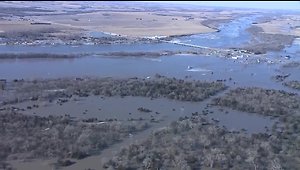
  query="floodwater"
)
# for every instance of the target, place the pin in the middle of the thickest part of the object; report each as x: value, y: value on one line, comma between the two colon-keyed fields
x: 203, y: 68
x: 179, y: 66
x: 188, y: 67
x: 168, y: 110
x: 90, y: 49
x: 231, y: 34
x: 291, y: 51
x: 231, y: 119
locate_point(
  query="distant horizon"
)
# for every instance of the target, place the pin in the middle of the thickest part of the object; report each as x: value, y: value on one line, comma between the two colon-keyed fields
x: 277, y: 5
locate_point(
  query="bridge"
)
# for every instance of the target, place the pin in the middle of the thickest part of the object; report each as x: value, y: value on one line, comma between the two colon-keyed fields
x: 196, y: 46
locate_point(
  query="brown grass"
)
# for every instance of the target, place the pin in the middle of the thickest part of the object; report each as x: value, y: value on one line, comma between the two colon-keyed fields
x: 129, y: 23
x: 278, y: 26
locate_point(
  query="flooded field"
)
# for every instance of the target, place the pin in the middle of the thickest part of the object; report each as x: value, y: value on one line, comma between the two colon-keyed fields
x: 162, y: 111
x: 120, y: 102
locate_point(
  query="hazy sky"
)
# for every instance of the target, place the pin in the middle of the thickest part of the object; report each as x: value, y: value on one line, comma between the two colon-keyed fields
x: 284, y: 5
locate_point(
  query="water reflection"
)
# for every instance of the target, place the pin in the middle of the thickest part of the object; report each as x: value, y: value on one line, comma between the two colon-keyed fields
x: 168, y: 110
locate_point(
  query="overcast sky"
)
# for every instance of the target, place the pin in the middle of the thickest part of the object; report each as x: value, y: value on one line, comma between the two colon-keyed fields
x: 284, y: 5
